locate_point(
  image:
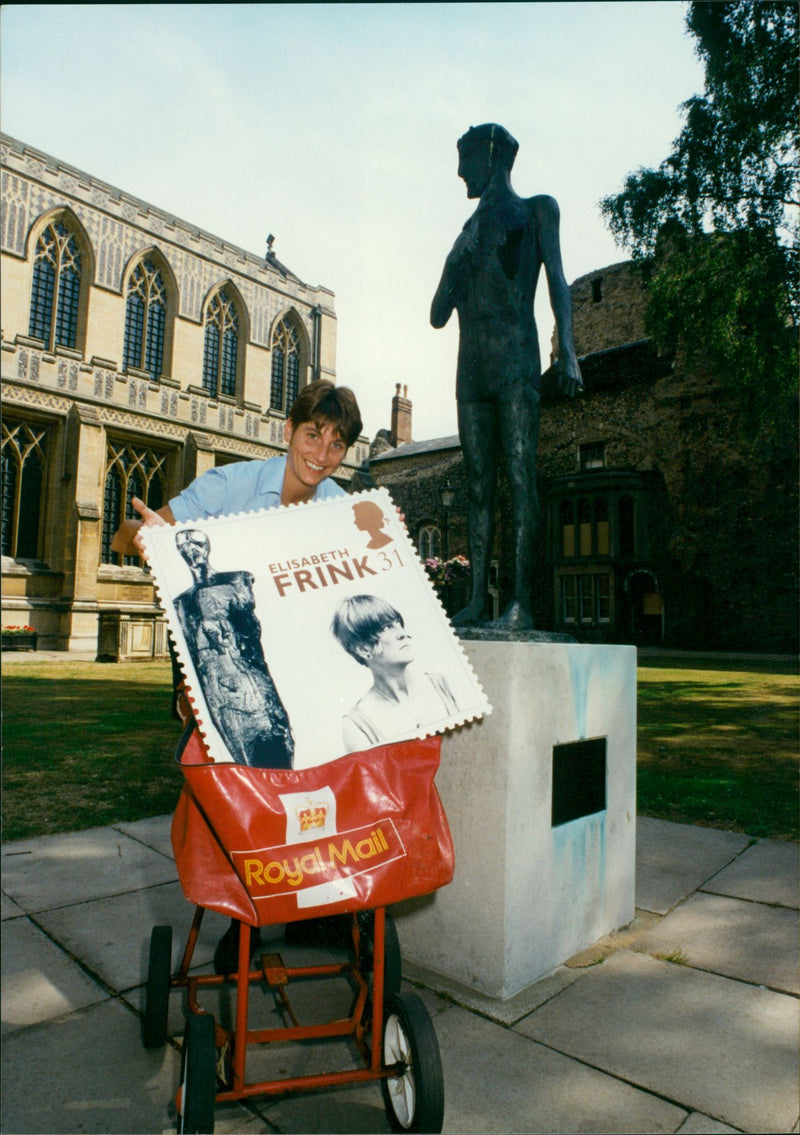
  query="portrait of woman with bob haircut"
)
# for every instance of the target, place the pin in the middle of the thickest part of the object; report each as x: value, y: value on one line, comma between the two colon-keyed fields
x: 403, y: 700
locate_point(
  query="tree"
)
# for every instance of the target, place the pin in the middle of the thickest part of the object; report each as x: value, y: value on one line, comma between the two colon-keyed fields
x: 717, y: 221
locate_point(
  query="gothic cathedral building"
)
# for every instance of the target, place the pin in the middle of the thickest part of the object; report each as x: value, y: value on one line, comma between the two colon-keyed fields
x: 137, y: 352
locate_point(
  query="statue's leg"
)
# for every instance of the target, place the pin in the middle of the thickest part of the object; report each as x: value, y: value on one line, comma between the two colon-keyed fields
x: 519, y: 431
x: 477, y: 428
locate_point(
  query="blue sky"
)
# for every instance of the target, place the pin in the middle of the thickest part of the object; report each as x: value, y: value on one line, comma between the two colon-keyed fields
x: 334, y: 127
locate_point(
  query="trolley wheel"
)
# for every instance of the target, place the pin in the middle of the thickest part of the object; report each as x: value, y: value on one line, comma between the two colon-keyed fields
x: 197, y: 1094
x: 392, y: 960
x: 414, y: 1100
x: 156, y: 993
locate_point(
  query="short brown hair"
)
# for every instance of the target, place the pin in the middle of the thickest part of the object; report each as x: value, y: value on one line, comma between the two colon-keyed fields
x: 321, y: 402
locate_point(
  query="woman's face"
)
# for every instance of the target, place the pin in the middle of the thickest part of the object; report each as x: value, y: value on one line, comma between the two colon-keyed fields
x: 393, y: 646
x: 315, y: 452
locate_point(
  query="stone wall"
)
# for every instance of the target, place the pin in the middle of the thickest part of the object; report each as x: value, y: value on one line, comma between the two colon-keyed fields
x: 608, y: 308
x: 723, y: 521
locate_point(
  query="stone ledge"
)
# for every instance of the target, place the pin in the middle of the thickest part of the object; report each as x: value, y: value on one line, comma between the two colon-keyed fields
x: 496, y: 634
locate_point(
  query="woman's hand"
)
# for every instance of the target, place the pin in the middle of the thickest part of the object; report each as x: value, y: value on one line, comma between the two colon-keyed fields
x: 150, y: 519
x: 127, y: 539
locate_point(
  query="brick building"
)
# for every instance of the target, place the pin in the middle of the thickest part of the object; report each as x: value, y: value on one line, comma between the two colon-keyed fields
x: 137, y: 352
x: 659, y: 526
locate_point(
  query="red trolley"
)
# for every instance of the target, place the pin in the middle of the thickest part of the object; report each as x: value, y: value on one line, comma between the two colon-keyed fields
x: 236, y: 854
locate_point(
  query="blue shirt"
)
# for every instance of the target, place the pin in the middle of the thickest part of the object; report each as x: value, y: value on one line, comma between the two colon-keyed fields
x: 245, y: 486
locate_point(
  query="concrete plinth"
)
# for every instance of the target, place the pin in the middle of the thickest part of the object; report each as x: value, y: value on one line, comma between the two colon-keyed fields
x: 529, y: 893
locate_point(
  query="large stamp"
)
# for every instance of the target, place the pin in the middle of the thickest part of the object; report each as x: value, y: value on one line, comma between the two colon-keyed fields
x: 308, y: 632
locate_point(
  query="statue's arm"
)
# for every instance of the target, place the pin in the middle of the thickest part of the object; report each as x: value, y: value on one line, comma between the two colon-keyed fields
x: 547, y: 223
x: 446, y: 294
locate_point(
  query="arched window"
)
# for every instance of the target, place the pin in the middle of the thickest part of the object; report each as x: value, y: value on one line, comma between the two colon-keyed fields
x: 430, y: 542
x: 285, y: 378
x: 131, y: 471
x: 24, y: 463
x: 55, y: 291
x: 221, y: 353
x: 145, y: 319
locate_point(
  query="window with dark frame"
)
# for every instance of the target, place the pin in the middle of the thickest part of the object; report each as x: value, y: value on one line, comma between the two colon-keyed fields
x: 55, y: 287
x: 24, y: 467
x: 221, y: 348
x: 285, y: 372
x: 569, y: 605
x: 430, y: 542
x: 567, y: 517
x: 602, y: 527
x: 586, y: 598
x: 145, y: 320
x: 592, y: 455
x: 584, y: 527
x: 131, y: 471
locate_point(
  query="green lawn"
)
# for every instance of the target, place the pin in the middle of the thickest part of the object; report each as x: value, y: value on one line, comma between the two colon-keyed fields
x: 87, y: 744
x: 719, y: 747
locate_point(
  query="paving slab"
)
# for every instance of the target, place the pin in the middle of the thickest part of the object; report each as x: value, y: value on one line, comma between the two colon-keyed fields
x: 698, y: 1124
x: 238, y: 1119
x: 673, y: 860
x: 154, y: 832
x: 39, y: 981
x: 503, y: 1012
x: 745, y: 940
x: 352, y: 1110
x: 87, y: 1072
x: 714, y: 1045
x: 10, y: 909
x: 767, y: 872
x: 112, y: 935
x: 616, y: 940
x: 267, y: 1062
x: 54, y: 871
x: 497, y: 1080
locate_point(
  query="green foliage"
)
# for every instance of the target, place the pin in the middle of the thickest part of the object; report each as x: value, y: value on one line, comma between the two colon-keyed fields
x: 723, y: 299
x: 718, y: 218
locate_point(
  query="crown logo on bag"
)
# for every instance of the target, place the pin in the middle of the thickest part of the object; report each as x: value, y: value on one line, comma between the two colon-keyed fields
x: 312, y: 816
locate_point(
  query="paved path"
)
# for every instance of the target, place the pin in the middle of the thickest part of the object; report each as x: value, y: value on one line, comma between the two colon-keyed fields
x: 685, y: 1021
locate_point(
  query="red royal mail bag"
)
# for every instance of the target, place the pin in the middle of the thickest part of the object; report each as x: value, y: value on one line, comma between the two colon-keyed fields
x: 279, y: 845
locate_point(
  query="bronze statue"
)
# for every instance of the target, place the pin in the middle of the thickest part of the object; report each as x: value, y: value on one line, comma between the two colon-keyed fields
x: 490, y: 278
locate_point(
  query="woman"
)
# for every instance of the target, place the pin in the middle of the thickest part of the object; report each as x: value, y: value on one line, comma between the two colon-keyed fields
x: 402, y: 701
x: 323, y: 423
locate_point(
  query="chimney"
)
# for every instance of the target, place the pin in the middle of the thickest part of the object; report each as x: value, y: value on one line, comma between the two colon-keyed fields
x: 401, y: 417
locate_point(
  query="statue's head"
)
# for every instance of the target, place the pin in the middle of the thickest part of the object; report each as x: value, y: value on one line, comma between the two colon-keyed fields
x: 482, y: 149
x: 194, y: 546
